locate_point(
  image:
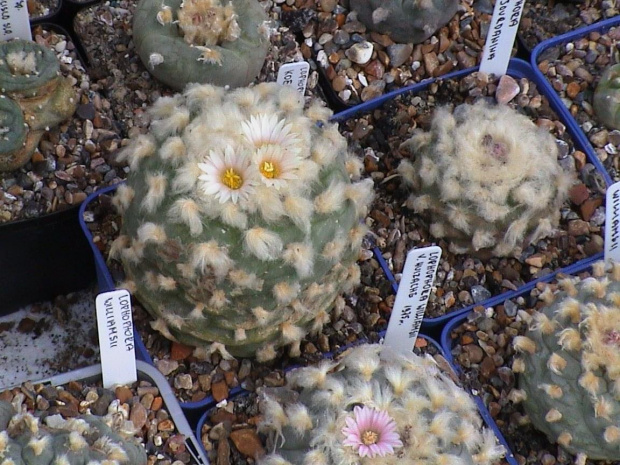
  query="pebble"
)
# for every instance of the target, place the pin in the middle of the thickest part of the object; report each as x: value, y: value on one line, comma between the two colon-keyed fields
x: 507, y: 89
x: 360, y: 53
x: 247, y: 442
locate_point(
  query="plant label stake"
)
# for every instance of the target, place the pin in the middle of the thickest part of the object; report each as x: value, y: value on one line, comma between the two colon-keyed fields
x: 294, y: 75
x: 612, y: 224
x: 412, y: 296
x: 14, y: 21
x: 501, y: 36
x: 116, y: 342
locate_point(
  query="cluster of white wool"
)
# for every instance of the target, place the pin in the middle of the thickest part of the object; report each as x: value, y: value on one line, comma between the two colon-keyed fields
x: 25, y: 441
x: 242, y: 217
x: 22, y: 63
x: 488, y: 178
x: 569, y: 365
x: 437, y: 421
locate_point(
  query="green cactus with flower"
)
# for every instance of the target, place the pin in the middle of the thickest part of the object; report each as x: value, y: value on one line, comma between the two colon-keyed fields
x: 34, y: 97
x: 405, y: 20
x: 26, y: 440
x: 241, y: 224
x: 201, y: 41
x: 374, y: 406
x: 606, y: 101
x: 569, y: 365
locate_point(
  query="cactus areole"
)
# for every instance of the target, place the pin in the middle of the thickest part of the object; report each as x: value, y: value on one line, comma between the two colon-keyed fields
x: 201, y: 41
x: 241, y: 225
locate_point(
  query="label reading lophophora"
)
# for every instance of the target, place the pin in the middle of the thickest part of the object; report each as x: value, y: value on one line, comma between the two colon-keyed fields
x: 414, y: 290
x: 15, y: 23
x: 116, y: 342
x: 294, y: 75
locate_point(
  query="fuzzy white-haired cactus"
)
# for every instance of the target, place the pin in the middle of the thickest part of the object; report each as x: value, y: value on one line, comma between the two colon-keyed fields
x: 241, y: 224
x: 569, y: 365
x: 25, y: 440
x: 375, y: 406
x: 487, y: 177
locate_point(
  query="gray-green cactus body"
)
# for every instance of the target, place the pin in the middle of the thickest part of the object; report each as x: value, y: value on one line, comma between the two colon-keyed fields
x: 252, y: 272
x: 420, y: 413
x: 606, y: 101
x: 34, y: 98
x: 405, y: 20
x: 234, y: 60
x: 87, y: 439
x: 570, y: 366
x: 487, y: 177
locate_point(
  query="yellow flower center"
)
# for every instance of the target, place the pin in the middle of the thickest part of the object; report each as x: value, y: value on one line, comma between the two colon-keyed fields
x: 269, y: 169
x: 369, y: 437
x: 232, y: 179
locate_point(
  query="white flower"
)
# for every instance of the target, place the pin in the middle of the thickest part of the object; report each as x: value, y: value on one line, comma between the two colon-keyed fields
x: 276, y: 165
x: 265, y: 129
x: 228, y: 176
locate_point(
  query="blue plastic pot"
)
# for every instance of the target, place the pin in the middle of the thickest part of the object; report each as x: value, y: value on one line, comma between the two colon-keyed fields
x: 563, y: 111
x: 484, y: 413
x: 517, y: 69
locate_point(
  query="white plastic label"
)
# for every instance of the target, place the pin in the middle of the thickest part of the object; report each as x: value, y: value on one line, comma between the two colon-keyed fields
x: 612, y: 224
x: 501, y: 36
x: 413, y: 293
x: 294, y: 75
x: 15, y: 21
x: 115, y: 328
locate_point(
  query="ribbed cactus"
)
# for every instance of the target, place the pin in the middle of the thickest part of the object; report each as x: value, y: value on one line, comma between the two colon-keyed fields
x: 241, y: 225
x: 606, y: 101
x: 569, y: 365
x: 201, y: 41
x: 405, y: 20
x: 33, y: 98
x: 487, y: 177
x: 375, y: 406
x: 86, y: 439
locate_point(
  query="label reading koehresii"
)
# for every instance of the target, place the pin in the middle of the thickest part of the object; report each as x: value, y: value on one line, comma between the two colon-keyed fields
x: 116, y: 343
x: 294, y: 75
x: 414, y: 290
x: 15, y: 23
x: 501, y: 36
x: 612, y: 224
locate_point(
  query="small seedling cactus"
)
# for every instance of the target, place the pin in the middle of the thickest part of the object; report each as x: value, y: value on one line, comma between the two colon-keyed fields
x: 606, y: 102
x: 569, y: 365
x: 374, y: 406
x: 201, y: 41
x: 405, y: 20
x: 33, y: 98
x: 25, y: 440
x: 241, y: 225
x: 488, y: 178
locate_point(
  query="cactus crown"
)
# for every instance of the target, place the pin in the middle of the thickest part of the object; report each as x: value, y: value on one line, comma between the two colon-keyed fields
x: 570, y: 365
x: 24, y: 439
x: 488, y: 178
x: 375, y: 406
x: 606, y: 101
x: 241, y: 224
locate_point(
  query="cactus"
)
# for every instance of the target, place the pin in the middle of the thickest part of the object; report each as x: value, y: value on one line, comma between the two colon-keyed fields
x: 84, y: 439
x: 569, y: 365
x: 606, y: 101
x: 201, y: 41
x: 488, y: 178
x: 374, y: 406
x: 33, y: 98
x: 240, y: 222
x: 405, y: 20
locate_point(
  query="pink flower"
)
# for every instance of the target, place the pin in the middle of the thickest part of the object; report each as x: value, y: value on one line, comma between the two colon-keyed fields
x: 371, y: 433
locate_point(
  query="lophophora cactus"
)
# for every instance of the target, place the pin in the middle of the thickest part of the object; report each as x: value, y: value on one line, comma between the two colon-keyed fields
x: 241, y: 224
x: 488, y: 178
x: 374, y: 406
x: 33, y: 98
x: 90, y: 439
x: 201, y: 41
x: 569, y: 365
x: 606, y: 101
x: 405, y: 20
